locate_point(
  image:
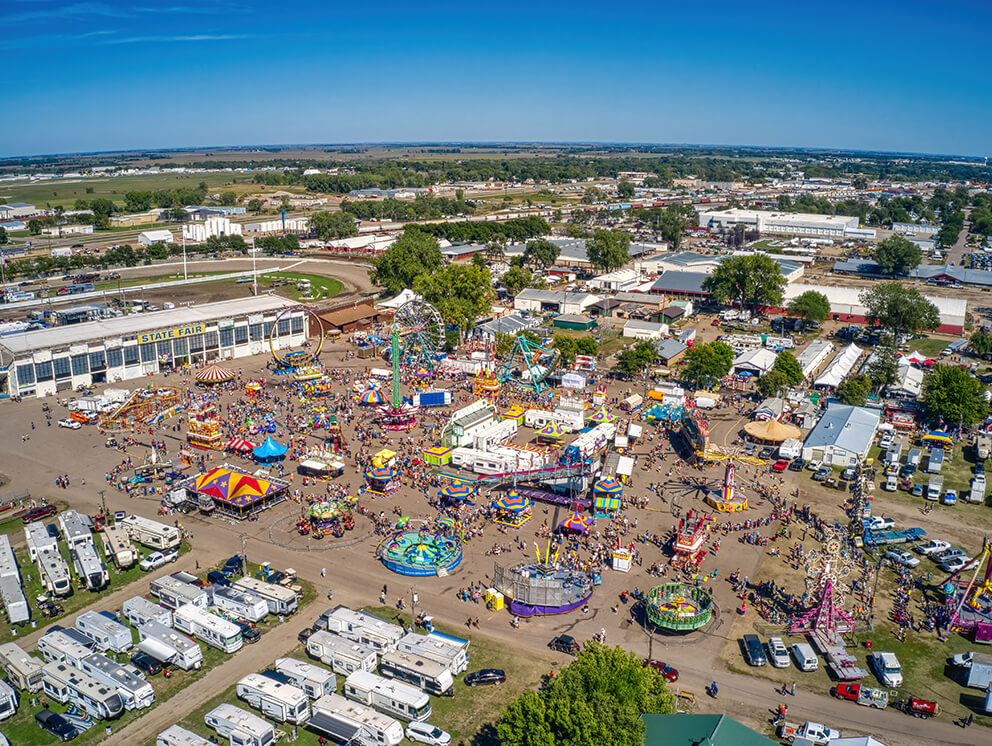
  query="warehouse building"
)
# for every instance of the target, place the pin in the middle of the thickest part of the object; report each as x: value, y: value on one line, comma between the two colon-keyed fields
x: 16, y: 210
x: 45, y: 361
x: 552, y: 301
x: 787, y: 223
x: 147, y: 238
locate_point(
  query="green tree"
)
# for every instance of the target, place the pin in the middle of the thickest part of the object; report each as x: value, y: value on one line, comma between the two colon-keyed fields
x: 608, y: 250
x: 754, y: 279
x: 516, y: 279
x: 898, y: 308
x: 772, y: 383
x: 102, y: 206
x: 331, y: 225
x: 461, y: 293
x: 567, y: 346
x: 788, y: 366
x: 854, y: 390
x: 496, y: 249
x: 673, y: 222
x: 586, y: 346
x: 228, y: 199
x: 706, y: 364
x: 952, y: 395
x: 635, y: 360
x: 255, y: 205
x: 591, y: 195
x: 897, y: 255
x: 981, y: 342
x: 411, y: 255
x: 810, y: 306
x: 883, y: 367
x: 478, y: 260
x: 3, y: 236
x: 34, y: 226
x: 625, y: 190
x: 540, y: 253
x: 137, y: 201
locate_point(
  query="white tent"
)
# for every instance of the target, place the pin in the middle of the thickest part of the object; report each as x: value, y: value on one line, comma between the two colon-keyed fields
x: 814, y: 355
x: 756, y: 361
x: 395, y: 302
x: 839, y: 367
x: 573, y: 381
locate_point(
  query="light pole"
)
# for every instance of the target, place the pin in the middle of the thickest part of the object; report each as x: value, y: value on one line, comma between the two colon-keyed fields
x: 413, y: 609
x: 185, y: 276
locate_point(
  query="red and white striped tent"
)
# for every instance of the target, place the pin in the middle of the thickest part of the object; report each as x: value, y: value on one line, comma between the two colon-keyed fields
x: 241, y: 445
x: 214, y: 374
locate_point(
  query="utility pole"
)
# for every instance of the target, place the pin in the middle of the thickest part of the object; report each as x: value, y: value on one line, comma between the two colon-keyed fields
x: 185, y: 276
x: 413, y: 609
x: 254, y: 272
x: 244, y: 554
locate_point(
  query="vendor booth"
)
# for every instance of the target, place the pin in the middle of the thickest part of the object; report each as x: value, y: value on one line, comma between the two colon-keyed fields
x: 237, y: 493
x: 513, y: 510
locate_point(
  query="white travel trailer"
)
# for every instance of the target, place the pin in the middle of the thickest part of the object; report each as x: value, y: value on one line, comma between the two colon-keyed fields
x: 89, y: 567
x: 75, y: 528
x: 282, y: 601
x: 390, y: 697
x: 174, y: 593
x: 313, y: 680
x: 168, y: 646
x: 209, y: 628
x: 343, y: 656
x: 360, y: 626
x: 62, y: 648
x: 176, y: 735
x: 117, y: 547
x: 241, y: 727
x: 44, y: 551
x: 151, y: 533
x: 349, y: 722
x: 8, y: 700
x: 423, y: 673
x: 23, y: 670
x: 283, y: 702
x: 105, y: 631
x: 237, y: 603
x: 69, y: 685
x: 11, y: 589
x: 125, y: 678
x: 139, y: 610
x: 448, y: 650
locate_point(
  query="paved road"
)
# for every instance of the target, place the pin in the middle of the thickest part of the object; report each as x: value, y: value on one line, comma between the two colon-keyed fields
x: 957, y: 252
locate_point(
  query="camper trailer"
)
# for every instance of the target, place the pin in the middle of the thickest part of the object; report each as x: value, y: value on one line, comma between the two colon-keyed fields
x: 105, y: 631
x: 279, y: 701
x: 349, y: 722
x: 210, y: 628
x: 138, y: 610
x: 60, y: 647
x: 282, y: 601
x: 448, y: 650
x: 176, y: 735
x: 240, y: 727
x: 361, y: 627
x: 23, y: 670
x: 69, y: 685
x: 151, y: 533
x: 390, y: 697
x: 168, y: 646
x: 44, y: 552
x: 117, y: 547
x: 75, y: 528
x: 175, y: 593
x: 343, y: 656
x: 89, y: 567
x: 125, y: 678
x: 423, y: 673
x: 238, y: 604
x: 8, y: 700
x: 313, y: 680
x: 11, y: 590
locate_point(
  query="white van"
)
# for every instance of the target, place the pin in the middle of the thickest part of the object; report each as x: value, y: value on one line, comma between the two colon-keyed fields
x: 805, y: 658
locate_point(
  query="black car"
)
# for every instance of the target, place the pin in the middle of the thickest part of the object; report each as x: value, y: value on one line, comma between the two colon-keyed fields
x: 276, y: 577
x: 53, y: 532
x: 146, y: 663
x: 564, y: 644
x: 217, y: 578
x: 796, y: 465
x: 248, y: 633
x: 55, y: 724
x: 766, y: 453
x: 485, y: 676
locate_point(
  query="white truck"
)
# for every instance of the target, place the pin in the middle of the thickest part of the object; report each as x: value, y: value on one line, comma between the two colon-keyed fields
x: 815, y: 733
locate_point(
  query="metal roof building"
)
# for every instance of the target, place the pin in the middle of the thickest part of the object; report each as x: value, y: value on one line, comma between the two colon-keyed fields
x: 843, y: 435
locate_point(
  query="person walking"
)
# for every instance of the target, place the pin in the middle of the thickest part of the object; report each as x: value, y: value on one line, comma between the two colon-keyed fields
x: 792, y: 689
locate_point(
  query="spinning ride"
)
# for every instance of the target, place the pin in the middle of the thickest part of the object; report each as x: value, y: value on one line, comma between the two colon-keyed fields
x: 677, y: 607
x: 291, y: 360
x: 328, y: 518
x: 542, y: 588
x: 972, y: 601
x: 730, y: 499
x: 143, y: 407
x: 825, y: 569
x: 529, y: 365
x: 420, y: 553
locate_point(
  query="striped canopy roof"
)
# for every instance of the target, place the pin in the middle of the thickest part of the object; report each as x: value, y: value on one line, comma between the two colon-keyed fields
x: 609, y: 486
x: 577, y: 522
x: 214, y: 374
x: 241, y: 445
x: 372, y: 396
x: 381, y: 473
x: 456, y: 491
x: 513, y: 503
x: 235, y: 487
x: 606, y: 503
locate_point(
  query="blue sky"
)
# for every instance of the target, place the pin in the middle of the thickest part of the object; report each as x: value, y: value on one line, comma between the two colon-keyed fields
x: 906, y: 76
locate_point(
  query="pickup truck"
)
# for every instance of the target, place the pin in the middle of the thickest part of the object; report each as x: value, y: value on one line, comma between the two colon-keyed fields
x: 863, y: 695
x: 813, y: 732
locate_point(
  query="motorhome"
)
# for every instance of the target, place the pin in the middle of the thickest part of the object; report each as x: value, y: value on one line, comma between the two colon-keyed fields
x: 240, y: 727
x: 151, y: 533
x: 343, y: 656
x: 23, y: 670
x: 8, y: 700
x: 138, y: 610
x: 69, y: 685
x: 76, y: 528
x: 237, y: 603
x: 176, y: 735
x: 44, y: 551
x: 89, y: 567
x: 117, y: 547
x: 60, y: 647
x: 11, y: 589
x: 168, y: 646
x: 175, y: 593
x: 282, y: 601
x: 313, y: 680
x: 210, y: 628
x: 448, y: 650
x: 125, y: 678
x: 391, y: 697
x: 349, y: 722
x: 423, y: 673
x: 362, y: 627
x: 105, y: 631
x: 283, y: 702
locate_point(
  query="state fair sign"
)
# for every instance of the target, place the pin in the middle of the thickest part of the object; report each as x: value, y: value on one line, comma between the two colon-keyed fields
x: 182, y: 331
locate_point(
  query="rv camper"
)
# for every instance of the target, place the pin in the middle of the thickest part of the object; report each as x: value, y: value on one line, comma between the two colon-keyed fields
x: 168, y: 646
x: 361, y: 627
x: 174, y: 593
x: 69, y: 685
x: 279, y: 701
x: 343, y: 656
x: 151, y: 533
x: 138, y: 610
x: 239, y: 726
x: 313, y: 680
x: 391, y: 697
x: 123, y: 677
x: 349, y: 722
x: 23, y: 670
x: 105, y: 631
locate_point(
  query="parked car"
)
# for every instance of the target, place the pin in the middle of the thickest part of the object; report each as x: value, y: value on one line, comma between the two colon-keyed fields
x: 171, y: 555
x: 766, y: 453
x: 217, y: 578
x: 71, y: 424
x: 932, y: 547
x: 754, y: 651
x: 36, y: 514
x: 796, y: 465
x: 907, y: 471
x: 564, y: 644
x: 814, y: 466
x: 947, y: 554
x: 878, y: 523
x: 958, y: 563
x: 903, y: 558
x: 485, y: 676
x: 780, y: 465
x: 146, y: 663
x: 664, y: 669
x: 276, y: 577
x: 248, y: 633
x: 153, y: 561
x: 822, y: 473
x: 778, y: 654
x: 962, y: 660
x: 848, y: 474
x: 55, y: 724
x: 917, y: 490
x: 420, y: 732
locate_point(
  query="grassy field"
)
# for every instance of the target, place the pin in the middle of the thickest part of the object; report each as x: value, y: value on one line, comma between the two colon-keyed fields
x: 320, y: 287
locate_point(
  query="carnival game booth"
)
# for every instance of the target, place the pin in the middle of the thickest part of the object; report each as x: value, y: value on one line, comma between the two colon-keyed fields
x: 512, y: 510
x: 240, y: 445
x: 576, y: 523
x: 320, y: 467
x: 269, y: 451
x: 382, y: 480
x: 236, y: 493
x: 606, y: 496
x: 456, y: 493
x: 438, y: 456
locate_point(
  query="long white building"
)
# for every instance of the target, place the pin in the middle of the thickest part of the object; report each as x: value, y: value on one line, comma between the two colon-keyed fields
x: 787, y: 223
x: 215, y: 225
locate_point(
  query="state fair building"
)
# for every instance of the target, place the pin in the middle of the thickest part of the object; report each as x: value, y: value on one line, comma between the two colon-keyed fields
x: 43, y: 362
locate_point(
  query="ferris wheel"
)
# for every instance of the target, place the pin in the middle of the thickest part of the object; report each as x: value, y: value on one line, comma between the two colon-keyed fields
x: 420, y: 329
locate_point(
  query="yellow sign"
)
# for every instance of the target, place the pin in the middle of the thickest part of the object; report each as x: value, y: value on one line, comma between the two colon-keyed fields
x: 182, y: 331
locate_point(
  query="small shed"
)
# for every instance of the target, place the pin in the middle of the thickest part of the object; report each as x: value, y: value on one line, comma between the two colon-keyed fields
x: 574, y: 321
x: 669, y: 351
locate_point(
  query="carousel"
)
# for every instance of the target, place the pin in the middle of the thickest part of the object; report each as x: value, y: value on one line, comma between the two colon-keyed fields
x: 512, y: 510
x: 214, y: 374
x: 326, y: 518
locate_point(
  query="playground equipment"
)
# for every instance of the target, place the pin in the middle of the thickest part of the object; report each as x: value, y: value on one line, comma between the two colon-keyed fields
x: 529, y: 365
x: 143, y: 407
x: 292, y: 360
x: 676, y: 607
x: 420, y: 553
x: 972, y: 601
x: 542, y: 588
x: 421, y: 330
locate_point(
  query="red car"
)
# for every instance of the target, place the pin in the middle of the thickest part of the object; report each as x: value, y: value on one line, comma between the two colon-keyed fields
x: 780, y: 465
x: 664, y: 669
x: 36, y: 514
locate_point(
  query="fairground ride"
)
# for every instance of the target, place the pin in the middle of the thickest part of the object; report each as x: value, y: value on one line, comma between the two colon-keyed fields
x: 288, y: 358
x: 972, y: 601
x: 529, y: 365
x: 420, y: 329
x: 143, y: 408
